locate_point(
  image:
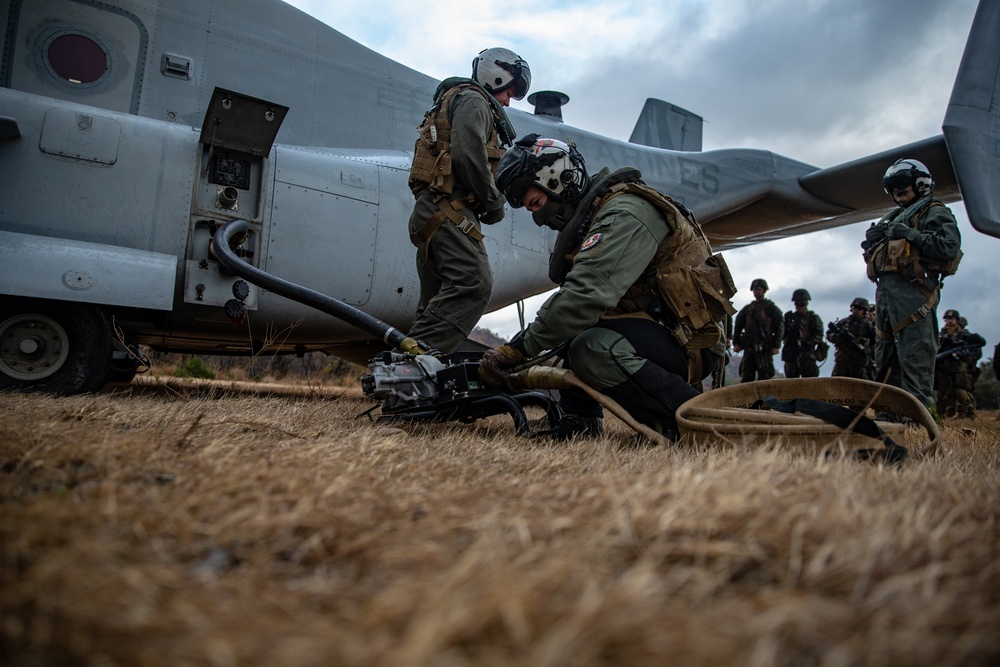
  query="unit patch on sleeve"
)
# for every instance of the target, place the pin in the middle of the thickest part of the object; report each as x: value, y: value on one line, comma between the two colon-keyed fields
x: 591, y: 241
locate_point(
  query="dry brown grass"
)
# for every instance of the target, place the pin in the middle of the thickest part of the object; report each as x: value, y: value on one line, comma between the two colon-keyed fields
x: 172, y: 529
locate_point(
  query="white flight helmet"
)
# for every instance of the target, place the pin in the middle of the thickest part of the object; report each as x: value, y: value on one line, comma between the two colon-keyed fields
x: 908, y: 171
x: 498, y: 69
x: 549, y: 164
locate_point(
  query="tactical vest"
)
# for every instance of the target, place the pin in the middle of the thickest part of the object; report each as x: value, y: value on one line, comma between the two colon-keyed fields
x: 432, y: 167
x: 901, y: 256
x: 693, y: 287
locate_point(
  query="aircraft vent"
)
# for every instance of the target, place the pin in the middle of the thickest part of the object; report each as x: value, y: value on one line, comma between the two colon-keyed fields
x: 548, y: 103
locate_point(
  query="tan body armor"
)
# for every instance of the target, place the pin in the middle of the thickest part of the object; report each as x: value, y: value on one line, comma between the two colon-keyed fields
x: 432, y: 167
x: 901, y: 256
x: 693, y: 285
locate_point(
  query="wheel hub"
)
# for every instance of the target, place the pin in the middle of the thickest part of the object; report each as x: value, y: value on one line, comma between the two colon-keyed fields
x: 32, y: 346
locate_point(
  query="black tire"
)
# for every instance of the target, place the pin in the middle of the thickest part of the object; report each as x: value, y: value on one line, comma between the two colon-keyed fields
x: 53, y: 346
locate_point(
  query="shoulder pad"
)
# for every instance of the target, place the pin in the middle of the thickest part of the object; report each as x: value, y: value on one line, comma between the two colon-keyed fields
x: 452, y: 82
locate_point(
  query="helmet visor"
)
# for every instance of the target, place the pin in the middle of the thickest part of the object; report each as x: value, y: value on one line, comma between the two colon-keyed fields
x: 898, y: 181
x: 512, y: 179
x: 522, y: 78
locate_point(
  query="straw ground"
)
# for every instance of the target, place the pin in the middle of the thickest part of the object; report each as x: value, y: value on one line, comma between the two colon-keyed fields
x: 173, y: 528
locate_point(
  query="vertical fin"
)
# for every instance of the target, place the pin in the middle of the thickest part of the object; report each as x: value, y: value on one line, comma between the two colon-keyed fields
x: 972, y: 122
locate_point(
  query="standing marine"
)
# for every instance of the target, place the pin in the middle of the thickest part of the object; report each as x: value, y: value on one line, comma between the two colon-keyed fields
x: 757, y: 332
x: 956, y: 368
x: 854, y: 340
x: 803, y: 335
x: 908, y: 254
x: 452, y: 178
x: 642, y: 300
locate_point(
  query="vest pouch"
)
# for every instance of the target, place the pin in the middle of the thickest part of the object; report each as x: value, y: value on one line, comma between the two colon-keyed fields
x: 422, y: 167
x: 444, y: 179
x: 717, y: 286
x: 950, y: 267
x: 889, y: 257
x: 683, y: 297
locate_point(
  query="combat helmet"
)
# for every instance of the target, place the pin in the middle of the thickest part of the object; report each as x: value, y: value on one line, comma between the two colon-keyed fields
x: 759, y: 282
x: 860, y: 303
x: 552, y: 166
x: 497, y: 69
x: 801, y: 295
x: 950, y: 313
x: 908, y: 171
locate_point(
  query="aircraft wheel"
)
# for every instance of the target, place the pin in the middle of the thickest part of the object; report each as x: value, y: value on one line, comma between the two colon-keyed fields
x: 56, y: 347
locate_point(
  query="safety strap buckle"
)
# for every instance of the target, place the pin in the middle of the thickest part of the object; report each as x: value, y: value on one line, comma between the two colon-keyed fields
x: 466, y: 226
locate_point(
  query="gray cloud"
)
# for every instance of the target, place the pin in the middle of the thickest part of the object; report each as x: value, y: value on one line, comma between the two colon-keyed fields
x: 821, y: 81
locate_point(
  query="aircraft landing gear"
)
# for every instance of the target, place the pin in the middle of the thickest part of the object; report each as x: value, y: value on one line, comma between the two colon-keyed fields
x: 53, y: 346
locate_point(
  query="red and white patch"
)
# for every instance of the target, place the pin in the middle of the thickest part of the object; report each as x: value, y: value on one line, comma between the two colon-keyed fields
x: 591, y: 242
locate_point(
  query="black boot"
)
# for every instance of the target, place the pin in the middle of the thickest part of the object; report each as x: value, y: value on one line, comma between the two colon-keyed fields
x: 571, y: 425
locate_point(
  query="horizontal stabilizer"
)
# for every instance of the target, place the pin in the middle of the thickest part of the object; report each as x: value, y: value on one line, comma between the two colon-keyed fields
x: 665, y: 125
x: 971, y: 123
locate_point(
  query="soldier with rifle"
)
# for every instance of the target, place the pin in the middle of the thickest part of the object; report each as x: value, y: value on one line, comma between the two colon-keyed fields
x: 803, y: 339
x: 854, y: 339
x: 757, y: 333
x: 956, y: 368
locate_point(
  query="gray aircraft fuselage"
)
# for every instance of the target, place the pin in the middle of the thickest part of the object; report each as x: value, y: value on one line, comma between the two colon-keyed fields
x: 114, y: 183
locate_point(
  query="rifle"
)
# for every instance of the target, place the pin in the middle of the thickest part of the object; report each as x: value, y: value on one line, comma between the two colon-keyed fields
x: 838, y: 330
x: 957, y: 352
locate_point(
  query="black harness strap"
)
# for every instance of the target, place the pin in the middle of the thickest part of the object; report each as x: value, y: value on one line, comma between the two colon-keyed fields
x: 845, y: 418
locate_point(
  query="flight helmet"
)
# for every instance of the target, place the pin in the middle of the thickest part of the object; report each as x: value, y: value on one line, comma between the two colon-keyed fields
x: 801, y: 295
x: 908, y: 172
x: 498, y: 69
x: 758, y: 282
x: 552, y: 166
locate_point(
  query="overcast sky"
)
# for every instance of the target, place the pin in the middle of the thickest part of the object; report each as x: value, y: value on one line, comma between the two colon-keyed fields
x: 821, y: 81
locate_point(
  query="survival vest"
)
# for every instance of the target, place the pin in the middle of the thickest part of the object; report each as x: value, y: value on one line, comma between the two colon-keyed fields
x: 431, y: 167
x: 901, y: 256
x: 693, y: 287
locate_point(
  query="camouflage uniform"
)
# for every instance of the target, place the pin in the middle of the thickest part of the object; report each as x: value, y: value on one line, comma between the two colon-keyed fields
x: 956, y: 370
x: 455, y: 277
x: 854, y: 339
x: 906, y: 302
x: 803, y: 332
x: 758, y: 329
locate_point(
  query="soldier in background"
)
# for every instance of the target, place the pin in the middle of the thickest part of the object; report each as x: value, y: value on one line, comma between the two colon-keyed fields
x: 957, y: 367
x: 854, y: 339
x: 803, y: 333
x: 757, y: 332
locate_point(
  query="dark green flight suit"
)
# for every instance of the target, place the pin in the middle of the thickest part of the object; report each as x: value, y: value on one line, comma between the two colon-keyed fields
x: 907, y: 354
x: 455, y: 277
x: 633, y: 359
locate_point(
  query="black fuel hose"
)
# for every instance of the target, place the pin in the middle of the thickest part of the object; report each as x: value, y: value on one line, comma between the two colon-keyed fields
x: 223, y: 250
